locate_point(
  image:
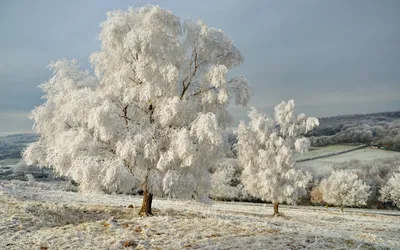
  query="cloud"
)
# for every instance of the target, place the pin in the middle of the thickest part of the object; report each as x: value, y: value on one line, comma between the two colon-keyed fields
x: 332, y: 57
x: 15, y: 122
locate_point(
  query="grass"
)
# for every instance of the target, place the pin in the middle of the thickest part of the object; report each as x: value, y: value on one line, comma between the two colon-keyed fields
x: 57, y: 219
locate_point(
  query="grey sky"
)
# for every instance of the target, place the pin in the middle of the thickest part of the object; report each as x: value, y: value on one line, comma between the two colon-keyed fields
x: 332, y: 57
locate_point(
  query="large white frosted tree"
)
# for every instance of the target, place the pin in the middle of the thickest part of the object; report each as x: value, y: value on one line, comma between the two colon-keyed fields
x: 391, y: 190
x: 266, y: 150
x: 344, y: 188
x: 151, y: 114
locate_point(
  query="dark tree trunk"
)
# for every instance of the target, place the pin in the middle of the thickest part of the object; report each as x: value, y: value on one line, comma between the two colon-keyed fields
x: 276, y: 206
x: 145, y: 210
x: 341, y: 208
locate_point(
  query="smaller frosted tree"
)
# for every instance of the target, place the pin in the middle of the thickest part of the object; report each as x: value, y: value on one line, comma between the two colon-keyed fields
x: 391, y: 191
x: 344, y: 188
x: 266, y: 151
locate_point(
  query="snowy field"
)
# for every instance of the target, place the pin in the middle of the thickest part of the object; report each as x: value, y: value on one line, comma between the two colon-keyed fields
x: 325, y: 150
x: 32, y: 216
x: 9, y: 161
x: 363, y: 155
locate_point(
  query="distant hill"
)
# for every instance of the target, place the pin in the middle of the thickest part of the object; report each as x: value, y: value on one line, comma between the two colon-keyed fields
x: 380, y: 129
x: 11, y: 146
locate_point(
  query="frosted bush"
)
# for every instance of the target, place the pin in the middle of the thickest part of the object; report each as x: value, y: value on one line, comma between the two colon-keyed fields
x: 30, y: 178
x: 344, y: 188
x: 391, y: 191
x: 225, y: 181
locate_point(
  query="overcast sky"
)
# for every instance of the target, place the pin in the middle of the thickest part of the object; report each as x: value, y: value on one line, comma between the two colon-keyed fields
x: 333, y: 57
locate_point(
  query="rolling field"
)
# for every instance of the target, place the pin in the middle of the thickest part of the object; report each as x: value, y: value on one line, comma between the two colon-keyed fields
x: 34, y: 218
x: 9, y: 161
x: 324, y: 166
x: 46, y: 215
x: 318, y: 151
x: 363, y: 155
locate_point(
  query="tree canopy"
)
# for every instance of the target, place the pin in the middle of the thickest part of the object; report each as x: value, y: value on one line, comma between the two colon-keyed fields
x: 151, y: 113
x: 266, y: 152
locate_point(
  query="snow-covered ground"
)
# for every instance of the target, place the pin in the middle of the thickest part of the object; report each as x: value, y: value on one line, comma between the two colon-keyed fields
x: 9, y: 161
x: 33, y: 216
x: 363, y: 155
x: 325, y: 150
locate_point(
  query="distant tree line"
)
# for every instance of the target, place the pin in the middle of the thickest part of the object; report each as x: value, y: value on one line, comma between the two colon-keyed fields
x: 380, y: 129
x: 376, y: 174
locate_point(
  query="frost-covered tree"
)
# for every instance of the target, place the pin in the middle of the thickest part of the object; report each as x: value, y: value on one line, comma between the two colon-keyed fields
x: 344, y: 188
x: 391, y: 191
x: 151, y: 114
x: 266, y: 151
x: 225, y: 180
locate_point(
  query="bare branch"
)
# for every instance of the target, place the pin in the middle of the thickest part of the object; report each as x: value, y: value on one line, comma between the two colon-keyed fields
x: 185, y: 87
x: 205, y: 61
x: 134, y: 58
x: 127, y: 61
x: 151, y: 110
x: 142, y: 109
x: 116, y: 103
x: 125, y: 117
x: 125, y: 110
x: 130, y: 78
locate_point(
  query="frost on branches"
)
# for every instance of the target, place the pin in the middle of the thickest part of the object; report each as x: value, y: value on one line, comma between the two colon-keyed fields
x: 391, y: 191
x: 225, y: 180
x: 151, y: 114
x: 344, y: 188
x: 266, y: 151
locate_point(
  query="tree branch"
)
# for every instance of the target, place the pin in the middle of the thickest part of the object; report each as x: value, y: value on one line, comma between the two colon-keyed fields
x: 151, y: 110
x: 115, y: 102
x: 210, y: 59
x: 125, y: 110
x: 125, y: 117
x: 130, y: 78
x: 134, y: 58
x: 126, y: 60
x: 196, y: 66
x: 71, y: 126
x: 142, y: 109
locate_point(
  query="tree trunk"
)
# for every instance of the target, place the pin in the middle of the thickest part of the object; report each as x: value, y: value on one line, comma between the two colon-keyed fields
x: 276, y: 206
x: 145, y: 210
x: 341, y: 208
